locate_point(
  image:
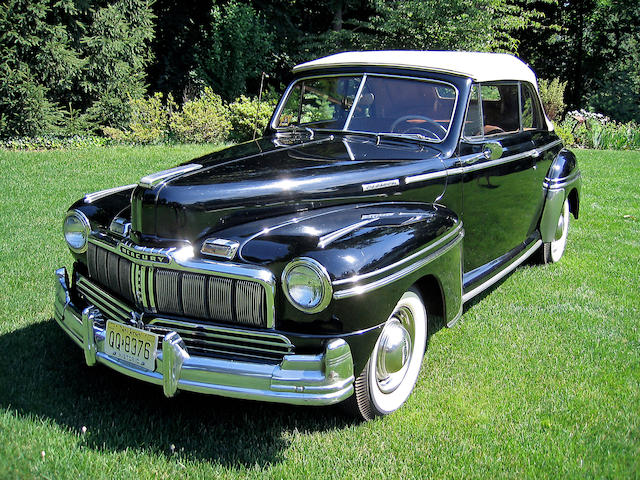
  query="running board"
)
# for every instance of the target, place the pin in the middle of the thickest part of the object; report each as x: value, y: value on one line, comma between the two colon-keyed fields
x: 496, y: 278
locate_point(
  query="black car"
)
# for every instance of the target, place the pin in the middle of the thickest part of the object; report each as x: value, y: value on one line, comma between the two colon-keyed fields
x: 304, y: 267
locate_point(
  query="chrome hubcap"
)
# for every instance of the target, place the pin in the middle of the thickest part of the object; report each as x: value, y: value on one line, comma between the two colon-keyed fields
x: 394, y: 351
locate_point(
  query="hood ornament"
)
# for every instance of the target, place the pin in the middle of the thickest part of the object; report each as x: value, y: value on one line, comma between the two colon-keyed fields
x: 219, y: 247
x: 150, y: 181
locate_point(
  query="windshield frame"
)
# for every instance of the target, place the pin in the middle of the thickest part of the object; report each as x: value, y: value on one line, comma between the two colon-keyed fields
x: 364, y: 75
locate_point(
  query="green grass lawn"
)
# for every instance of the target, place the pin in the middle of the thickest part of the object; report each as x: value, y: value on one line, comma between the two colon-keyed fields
x: 540, y: 378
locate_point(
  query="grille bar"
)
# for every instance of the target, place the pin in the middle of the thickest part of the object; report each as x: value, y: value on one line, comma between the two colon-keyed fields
x: 101, y: 299
x: 209, y: 339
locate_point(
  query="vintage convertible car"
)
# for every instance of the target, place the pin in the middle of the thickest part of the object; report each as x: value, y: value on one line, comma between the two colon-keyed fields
x: 305, y: 267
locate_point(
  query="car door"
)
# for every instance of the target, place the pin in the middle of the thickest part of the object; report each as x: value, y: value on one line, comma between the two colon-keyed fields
x: 501, y: 194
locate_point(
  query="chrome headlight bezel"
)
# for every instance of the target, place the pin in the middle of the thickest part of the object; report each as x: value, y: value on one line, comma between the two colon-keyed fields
x: 323, y: 284
x: 82, y: 227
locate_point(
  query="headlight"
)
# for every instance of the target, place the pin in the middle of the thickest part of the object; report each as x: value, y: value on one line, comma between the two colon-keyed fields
x: 76, y: 230
x: 307, y: 285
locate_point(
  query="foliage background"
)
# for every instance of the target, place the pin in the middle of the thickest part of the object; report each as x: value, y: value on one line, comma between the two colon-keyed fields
x: 77, y: 66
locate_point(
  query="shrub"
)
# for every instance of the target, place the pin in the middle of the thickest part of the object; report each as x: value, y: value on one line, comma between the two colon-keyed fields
x: 242, y: 114
x: 202, y: 120
x: 149, y: 122
x: 552, y: 96
x: 563, y: 130
x: 150, y: 118
x: 595, y: 130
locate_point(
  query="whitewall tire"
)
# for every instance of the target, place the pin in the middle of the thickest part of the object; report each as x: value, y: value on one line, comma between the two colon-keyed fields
x: 552, y: 251
x: 393, y: 367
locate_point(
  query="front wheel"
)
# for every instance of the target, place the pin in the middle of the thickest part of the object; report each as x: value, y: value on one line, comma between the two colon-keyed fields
x: 392, y: 370
x: 552, y: 251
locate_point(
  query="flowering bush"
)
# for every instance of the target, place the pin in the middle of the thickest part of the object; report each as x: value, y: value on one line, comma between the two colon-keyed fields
x: 595, y: 130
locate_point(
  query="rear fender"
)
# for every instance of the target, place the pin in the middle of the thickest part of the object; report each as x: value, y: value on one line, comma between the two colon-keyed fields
x: 562, y: 181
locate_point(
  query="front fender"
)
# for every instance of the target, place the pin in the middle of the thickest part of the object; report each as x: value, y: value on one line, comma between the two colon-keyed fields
x: 372, y: 252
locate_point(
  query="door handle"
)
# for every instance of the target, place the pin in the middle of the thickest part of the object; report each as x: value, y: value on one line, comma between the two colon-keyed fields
x: 492, y: 150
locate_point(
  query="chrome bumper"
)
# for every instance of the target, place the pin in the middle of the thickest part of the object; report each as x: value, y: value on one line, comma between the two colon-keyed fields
x: 321, y: 379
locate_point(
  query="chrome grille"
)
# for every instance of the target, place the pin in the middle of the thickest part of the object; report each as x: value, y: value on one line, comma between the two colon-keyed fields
x: 167, y: 286
x: 200, y: 339
x: 210, y: 340
x: 194, y: 295
x: 110, y: 270
x: 219, y: 298
x: 174, y: 292
x: 250, y: 303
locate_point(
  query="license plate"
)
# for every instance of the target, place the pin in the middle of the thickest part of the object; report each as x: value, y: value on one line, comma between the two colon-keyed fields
x: 131, y: 345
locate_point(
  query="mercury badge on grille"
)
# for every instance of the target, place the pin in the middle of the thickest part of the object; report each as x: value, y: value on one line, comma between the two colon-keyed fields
x: 146, y: 256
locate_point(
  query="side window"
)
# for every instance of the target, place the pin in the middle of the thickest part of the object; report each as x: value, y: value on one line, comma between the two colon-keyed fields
x: 473, y: 122
x: 500, y: 108
x: 531, y: 118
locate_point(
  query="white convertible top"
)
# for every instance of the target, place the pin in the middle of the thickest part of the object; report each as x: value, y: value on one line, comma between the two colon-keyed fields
x: 481, y: 67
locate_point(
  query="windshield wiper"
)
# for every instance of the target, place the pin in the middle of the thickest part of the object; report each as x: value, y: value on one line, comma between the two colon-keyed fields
x: 411, y: 137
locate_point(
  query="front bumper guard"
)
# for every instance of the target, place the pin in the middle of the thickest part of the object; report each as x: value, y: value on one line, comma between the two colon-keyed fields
x: 322, y: 379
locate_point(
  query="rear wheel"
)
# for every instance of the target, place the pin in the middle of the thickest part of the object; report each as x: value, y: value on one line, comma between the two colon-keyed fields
x: 552, y: 251
x: 392, y: 370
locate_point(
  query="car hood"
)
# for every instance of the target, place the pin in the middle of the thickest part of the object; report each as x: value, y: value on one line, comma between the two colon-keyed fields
x: 275, y: 176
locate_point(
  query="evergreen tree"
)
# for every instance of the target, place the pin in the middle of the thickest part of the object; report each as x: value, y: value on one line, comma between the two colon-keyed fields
x: 116, y: 46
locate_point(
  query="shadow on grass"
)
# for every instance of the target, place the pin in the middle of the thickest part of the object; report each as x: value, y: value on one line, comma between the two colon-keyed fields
x: 44, y: 375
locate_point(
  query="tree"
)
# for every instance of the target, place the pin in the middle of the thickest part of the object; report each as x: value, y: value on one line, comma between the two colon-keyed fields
x: 38, y: 66
x: 236, y: 46
x: 117, y: 48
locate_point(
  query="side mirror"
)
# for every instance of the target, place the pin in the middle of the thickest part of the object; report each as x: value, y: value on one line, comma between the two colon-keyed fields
x: 492, y: 150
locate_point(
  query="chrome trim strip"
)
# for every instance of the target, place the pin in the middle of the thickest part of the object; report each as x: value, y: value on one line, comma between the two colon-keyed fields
x: 471, y: 168
x: 493, y: 163
x: 457, y: 317
x: 357, y: 278
x: 425, y: 176
x: 331, y: 237
x: 287, y: 223
x: 153, y: 179
x: 523, y: 256
x: 360, y: 289
x: 549, y: 146
x: 92, y: 197
x: 562, y: 182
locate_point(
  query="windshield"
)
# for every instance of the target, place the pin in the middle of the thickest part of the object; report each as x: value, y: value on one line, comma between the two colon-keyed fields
x: 370, y: 103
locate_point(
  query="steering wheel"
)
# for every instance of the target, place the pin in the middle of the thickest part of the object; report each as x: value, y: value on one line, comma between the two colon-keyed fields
x: 433, y: 130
